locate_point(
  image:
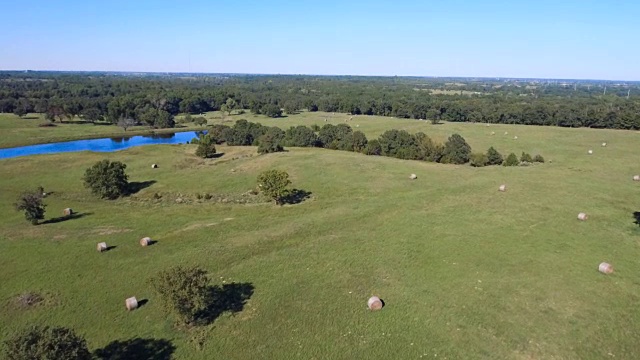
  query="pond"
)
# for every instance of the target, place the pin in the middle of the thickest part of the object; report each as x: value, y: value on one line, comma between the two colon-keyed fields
x: 100, y: 145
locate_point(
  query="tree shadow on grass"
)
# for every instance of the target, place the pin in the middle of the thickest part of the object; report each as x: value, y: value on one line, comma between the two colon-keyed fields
x: 296, y: 196
x: 226, y: 298
x: 137, y: 348
x: 65, y: 218
x: 636, y: 215
x: 137, y: 186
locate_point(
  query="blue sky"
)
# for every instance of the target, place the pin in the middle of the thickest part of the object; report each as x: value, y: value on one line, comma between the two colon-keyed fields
x: 582, y: 39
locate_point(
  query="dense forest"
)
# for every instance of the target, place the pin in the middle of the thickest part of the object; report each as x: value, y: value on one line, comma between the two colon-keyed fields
x: 154, y: 99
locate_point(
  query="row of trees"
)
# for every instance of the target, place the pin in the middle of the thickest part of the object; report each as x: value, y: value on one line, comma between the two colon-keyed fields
x: 154, y: 101
x: 393, y: 143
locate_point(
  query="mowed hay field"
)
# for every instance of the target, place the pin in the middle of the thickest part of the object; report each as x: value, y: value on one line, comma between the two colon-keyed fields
x: 466, y: 272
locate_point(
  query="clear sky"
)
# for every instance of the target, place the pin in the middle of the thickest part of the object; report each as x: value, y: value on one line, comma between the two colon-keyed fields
x: 581, y: 39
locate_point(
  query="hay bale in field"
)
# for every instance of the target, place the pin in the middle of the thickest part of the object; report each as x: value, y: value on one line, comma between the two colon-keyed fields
x: 374, y: 303
x: 67, y: 212
x: 515, y: 138
x: 102, y: 247
x: 605, y: 268
x: 154, y: 166
x: 604, y: 144
x: 146, y: 241
x: 506, y: 133
x: 131, y: 303
x: 413, y: 176
x: 493, y: 133
x: 636, y: 177
x: 502, y: 188
x: 582, y: 217
x: 590, y: 152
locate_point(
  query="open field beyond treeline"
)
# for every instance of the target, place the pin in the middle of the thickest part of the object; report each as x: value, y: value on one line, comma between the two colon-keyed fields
x: 466, y: 272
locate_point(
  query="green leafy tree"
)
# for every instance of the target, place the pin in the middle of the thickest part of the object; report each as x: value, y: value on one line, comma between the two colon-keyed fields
x: 200, y: 121
x: 478, y: 160
x: 20, y: 111
x: 300, y: 136
x: 107, y: 179
x: 229, y: 106
x: 270, y: 141
x: 456, y: 150
x: 31, y: 203
x: 271, y: 110
x: 47, y: 343
x: 183, y: 291
x: 91, y: 115
x: 164, y: 120
x: 525, y: 157
x: 274, y: 184
x: 538, y: 158
x: 206, y: 147
x: 511, y: 160
x: 219, y: 133
x: 494, y: 157
x: 358, y: 142
x: 373, y: 148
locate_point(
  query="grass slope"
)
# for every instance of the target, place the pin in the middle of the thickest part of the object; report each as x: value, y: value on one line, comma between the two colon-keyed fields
x: 465, y: 271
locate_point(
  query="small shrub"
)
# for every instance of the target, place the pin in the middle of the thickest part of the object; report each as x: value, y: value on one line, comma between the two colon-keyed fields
x: 525, y: 157
x: 270, y: 141
x: 183, y: 291
x: 274, y: 184
x: 107, y: 179
x: 538, y: 158
x: 200, y: 121
x: 206, y: 147
x: 479, y: 160
x: 494, y: 157
x: 32, y: 205
x: 511, y: 160
x: 47, y: 343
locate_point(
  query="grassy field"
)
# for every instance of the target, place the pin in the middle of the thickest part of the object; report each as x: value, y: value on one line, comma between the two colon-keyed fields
x: 466, y: 272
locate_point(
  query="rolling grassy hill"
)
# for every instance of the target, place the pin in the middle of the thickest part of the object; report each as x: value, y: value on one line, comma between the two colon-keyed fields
x: 465, y: 271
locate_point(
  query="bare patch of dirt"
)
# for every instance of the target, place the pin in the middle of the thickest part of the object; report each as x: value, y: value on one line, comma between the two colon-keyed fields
x: 109, y: 230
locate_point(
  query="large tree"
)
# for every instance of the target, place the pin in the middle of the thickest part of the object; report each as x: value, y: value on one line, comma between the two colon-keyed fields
x: 107, y: 179
x: 456, y: 150
x: 183, y: 291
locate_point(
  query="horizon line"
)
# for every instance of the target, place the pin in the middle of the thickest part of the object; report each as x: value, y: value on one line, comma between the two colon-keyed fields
x: 309, y: 74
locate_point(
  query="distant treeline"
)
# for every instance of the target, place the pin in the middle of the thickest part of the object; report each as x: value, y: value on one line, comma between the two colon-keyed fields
x: 392, y: 143
x: 154, y: 101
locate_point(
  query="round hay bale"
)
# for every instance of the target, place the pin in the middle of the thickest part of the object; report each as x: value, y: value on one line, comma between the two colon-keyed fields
x: 493, y: 133
x: 154, y: 166
x: 506, y: 133
x: 413, y: 176
x: 102, y: 247
x: 145, y: 241
x: 67, y: 212
x: 582, y: 217
x: 131, y: 303
x: 604, y: 144
x: 636, y: 177
x: 374, y: 303
x: 605, y: 268
x: 502, y: 188
x: 515, y: 138
x: 590, y: 152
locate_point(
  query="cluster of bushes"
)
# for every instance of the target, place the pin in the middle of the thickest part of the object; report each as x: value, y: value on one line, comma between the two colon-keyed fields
x: 393, y: 143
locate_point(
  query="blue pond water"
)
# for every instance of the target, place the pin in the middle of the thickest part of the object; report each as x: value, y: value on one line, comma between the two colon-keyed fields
x: 99, y: 145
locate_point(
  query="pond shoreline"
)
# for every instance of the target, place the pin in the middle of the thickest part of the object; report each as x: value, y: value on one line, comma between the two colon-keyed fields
x: 102, y: 143
x: 130, y: 133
